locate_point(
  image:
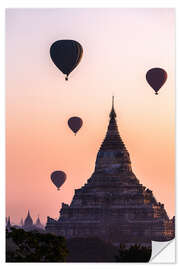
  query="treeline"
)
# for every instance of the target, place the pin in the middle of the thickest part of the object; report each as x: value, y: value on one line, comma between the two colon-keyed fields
x: 136, y: 253
x: 22, y: 246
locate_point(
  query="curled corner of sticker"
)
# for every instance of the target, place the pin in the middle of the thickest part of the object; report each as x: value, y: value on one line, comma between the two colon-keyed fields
x: 163, y: 252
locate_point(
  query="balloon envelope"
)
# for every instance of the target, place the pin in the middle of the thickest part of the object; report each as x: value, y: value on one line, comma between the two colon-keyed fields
x: 75, y: 123
x: 58, y: 178
x: 66, y: 55
x: 156, y: 77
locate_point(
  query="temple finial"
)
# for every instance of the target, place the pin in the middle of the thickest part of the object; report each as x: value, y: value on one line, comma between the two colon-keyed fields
x: 112, y: 113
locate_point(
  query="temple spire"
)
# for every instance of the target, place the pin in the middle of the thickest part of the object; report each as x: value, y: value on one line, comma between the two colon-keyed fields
x: 112, y: 139
x: 112, y: 113
x: 8, y: 222
x: 113, y: 155
x: 28, y: 221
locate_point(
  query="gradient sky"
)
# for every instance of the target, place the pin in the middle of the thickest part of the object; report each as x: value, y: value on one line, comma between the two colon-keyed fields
x: 120, y: 45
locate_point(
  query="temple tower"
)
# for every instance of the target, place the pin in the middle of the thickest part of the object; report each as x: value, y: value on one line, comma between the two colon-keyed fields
x: 113, y: 205
x: 8, y: 223
x: 113, y: 155
x: 28, y: 220
x: 38, y: 223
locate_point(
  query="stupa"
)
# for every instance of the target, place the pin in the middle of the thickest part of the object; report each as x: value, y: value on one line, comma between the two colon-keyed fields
x: 8, y: 224
x: 28, y: 220
x: 113, y: 205
x: 38, y: 223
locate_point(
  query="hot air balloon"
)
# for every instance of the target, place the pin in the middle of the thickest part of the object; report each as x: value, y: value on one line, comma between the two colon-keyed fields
x: 66, y: 55
x: 75, y: 123
x: 156, y: 77
x: 58, y: 178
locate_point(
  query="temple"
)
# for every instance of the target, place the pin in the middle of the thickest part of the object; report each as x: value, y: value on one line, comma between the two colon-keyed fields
x: 38, y: 223
x: 28, y: 222
x: 113, y: 205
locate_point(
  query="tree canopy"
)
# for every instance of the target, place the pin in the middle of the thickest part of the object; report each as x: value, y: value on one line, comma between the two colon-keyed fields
x: 22, y: 246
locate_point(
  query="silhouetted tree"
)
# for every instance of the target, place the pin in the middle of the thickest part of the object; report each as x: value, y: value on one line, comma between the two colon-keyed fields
x: 22, y: 246
x: 136, y: 253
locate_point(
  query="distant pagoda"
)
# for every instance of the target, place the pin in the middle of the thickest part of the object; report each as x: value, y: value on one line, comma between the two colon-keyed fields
x: 113, y: 205
x: 8, y: 224
x: 28, y: 220
x: 38, y: 223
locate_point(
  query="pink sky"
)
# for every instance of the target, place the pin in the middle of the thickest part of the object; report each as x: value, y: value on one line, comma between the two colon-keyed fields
x: 120, y: 45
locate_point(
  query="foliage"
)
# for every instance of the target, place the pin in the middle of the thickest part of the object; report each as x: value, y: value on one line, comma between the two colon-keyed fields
x: 22, y: 246
x: 136, y: 253
x: 33, y: 246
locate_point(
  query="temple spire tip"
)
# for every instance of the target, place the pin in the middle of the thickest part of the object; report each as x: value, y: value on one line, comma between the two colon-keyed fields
x: 112, y: 113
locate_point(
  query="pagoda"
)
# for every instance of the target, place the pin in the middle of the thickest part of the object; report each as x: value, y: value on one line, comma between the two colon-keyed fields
x: 8, y: 224
x: 38, y: 223
x: 113, y: 205
x: 28, y: 220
